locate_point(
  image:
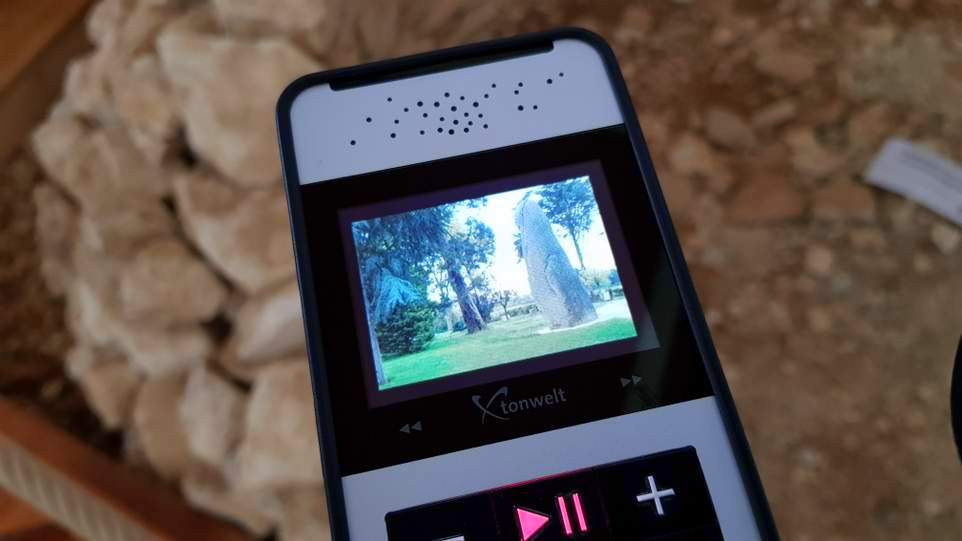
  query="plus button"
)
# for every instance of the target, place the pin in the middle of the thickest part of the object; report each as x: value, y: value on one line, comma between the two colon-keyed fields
x: 655, y: 495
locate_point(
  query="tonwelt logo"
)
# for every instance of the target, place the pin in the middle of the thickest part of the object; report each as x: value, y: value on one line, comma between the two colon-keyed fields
x: 500, y: 407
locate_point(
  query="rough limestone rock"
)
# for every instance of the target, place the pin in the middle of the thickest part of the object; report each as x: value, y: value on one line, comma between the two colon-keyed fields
x: 809, y: 156
x: 145, y: 103
x: 268, y: 325
x: 227, y: 90
x: 766, y: 198
x: 285, y: 16
x: 304, y: 515
x: 206, y: 488
x: 692, y: 156
x: 791, y: 66
x: 165, y: 284
x: 775, y: 114
x: 54, y: 143
x: 728, y: 129
x: 85, y: 86
x: 124, y: 27
x: 844, y: 199
x: 159, y: 351
x: 555, y: 285
x: 212, y: 414
x: 158, y: 427
x: 122, y: 30
x: 106, y: 172
x: 244, y: 234
x: 819, y: 260
x: 280, y: 445
x: 867, y: 128
x: 56, y: 226
x: 105, y: 18
x: 945, y: 237
x: 98, y: 269
x: 82, y: 357
x: 122, y: 230
x: 108, y: 383
x: 92, y: 314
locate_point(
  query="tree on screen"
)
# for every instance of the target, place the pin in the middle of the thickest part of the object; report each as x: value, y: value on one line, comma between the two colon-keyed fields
x: 503, y: 297
x: 402, y: 255
x: 570, y: 204
x: 471, y: 245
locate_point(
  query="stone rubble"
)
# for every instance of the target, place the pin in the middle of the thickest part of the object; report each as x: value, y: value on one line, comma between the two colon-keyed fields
x: 109, y: 383
x: 145, y: 103
x: 163, y: 282
x: 947, y: 238
x: 56, y: 231
x: 211, y: 413
x: 159, y: 430
x: 693, y: 157
x: 268, y: 326
x: 245, y: 235
x: 158, y: 351
x: 728, y: 129
x: 792, y: 67
x: 304, y: 516
x: 205, y: 488
x: 228, y: 109
x: 765, y: 198
x: 280, y: 445
x: 844, y: 199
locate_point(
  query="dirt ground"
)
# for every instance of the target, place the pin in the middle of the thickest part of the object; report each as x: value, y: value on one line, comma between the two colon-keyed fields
x: 835, y: 308
x: 33, y: 338
x: 836, y: 318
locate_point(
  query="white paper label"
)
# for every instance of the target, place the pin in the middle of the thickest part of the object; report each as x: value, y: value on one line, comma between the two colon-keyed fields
x: 920, y: 175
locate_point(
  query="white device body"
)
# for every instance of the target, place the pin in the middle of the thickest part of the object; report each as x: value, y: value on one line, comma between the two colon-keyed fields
x: 325, y: 121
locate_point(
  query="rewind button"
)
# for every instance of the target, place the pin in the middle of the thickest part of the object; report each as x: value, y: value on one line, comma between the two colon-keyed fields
x: 409, y: 427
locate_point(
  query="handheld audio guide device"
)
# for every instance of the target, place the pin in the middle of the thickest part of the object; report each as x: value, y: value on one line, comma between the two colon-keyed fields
x: 504, y: 340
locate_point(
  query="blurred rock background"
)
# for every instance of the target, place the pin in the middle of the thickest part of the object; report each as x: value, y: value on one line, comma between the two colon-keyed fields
x: 147, y: 277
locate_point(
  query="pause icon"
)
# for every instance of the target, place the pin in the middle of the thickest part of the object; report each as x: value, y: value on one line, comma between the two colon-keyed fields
x: 569, y: 521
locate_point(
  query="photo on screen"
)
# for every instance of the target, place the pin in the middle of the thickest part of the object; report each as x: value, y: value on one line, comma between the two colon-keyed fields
x: 488, y: 281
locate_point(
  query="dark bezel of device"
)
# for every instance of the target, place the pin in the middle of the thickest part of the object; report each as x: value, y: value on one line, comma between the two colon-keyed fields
x: 671, y: 373
x: 412, y: 178
x: 465, y: 56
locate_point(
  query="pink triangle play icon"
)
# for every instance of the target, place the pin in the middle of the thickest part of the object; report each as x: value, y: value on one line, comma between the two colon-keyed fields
x: 530, y: 522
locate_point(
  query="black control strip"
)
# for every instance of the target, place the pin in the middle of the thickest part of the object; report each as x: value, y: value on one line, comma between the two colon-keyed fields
x: 659, y: 497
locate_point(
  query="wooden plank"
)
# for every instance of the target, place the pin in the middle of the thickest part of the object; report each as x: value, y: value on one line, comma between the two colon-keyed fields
x: 29, y: 26
x: 16, y: 516
x: 58, y: 459
x: 47, y: 532
x: 37, y: 40
x: 20, y: 522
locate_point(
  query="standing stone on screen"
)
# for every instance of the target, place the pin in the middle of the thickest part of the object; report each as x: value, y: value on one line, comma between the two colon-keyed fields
x: 555, y: 285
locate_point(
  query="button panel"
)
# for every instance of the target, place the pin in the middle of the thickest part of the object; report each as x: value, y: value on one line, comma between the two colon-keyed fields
x: 462, y: 519
x: 661, y: 496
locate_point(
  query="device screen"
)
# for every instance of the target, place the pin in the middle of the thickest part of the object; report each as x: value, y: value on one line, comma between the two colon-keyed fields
x: 507, y: 353
x: 492, y: 281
